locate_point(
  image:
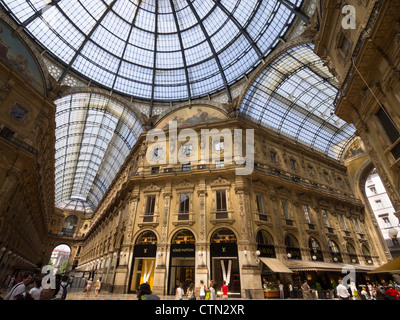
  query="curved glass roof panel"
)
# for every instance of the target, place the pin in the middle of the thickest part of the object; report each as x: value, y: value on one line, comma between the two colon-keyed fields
x: 94, y: 135
x: 294, y: 96
x: 159, y: 49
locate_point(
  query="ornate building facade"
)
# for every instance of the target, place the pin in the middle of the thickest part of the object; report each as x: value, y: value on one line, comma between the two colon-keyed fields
x: 81, y: 165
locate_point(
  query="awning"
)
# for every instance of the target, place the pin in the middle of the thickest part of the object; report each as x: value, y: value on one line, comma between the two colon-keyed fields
x: 302, y: 265
x: 390, y: 267
x: 275, y: 265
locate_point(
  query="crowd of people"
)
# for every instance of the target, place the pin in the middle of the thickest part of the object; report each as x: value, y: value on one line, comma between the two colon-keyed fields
x: 202, y: 293
x: 31, y: 286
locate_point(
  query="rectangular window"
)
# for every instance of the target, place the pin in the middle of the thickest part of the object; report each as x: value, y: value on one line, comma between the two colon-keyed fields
x: 326, y: 218
x: 379, y: 204
x: 311, y: 171
x: 221, y: 204
x: 285, y: 207
x: 293, y: 164
x: 260, y: 204
x: 184, y: 199
x: 273, y: 156
x: 150, y: 205
x: 387, y: 222
x: 343, y: 222
x: 187, y: 149
x: 358, y: 226
x: 219, y: 163
x: 186, y: 167
x: 307, y: 214
x: 388, y: 125
x: 373, y: 190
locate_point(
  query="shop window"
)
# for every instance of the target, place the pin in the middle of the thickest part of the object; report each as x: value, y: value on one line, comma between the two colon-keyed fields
x: 292, y: 247
x: 265, y: 244
x: 335, y: 253
x: 315, y: 250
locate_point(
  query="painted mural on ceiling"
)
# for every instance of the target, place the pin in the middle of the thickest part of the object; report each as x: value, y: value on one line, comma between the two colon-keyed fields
x: 16, y: 55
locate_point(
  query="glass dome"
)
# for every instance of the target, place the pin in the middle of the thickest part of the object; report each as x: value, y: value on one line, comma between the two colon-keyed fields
x: 162, y: 50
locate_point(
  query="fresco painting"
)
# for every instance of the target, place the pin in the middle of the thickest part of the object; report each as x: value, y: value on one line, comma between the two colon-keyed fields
x: 192, y: 116
x: 14, y: 53
x: 354, y: 149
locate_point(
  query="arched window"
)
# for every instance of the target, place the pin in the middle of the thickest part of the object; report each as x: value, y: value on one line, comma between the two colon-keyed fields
x: 292, y: 247
x: 265, y: 244
x: 183, y: 237
x: 315, y: 250
x: 69, y: 226
x: 223, y: 235
x: 352, y: 253
x: 367, y: 254
x: 335, y: 252
x: 147, y: 237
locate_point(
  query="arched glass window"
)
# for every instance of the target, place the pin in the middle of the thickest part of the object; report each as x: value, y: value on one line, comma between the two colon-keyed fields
x: 315, y: 250
x: 352, y: 253
x: 367, y: 254
x: 147, y: 237
x: 265, y: 244
x: 335, y: 252
x: 223, y: 235
x: 69, y: 226
x: 183, y: 237
x: 292, y: 247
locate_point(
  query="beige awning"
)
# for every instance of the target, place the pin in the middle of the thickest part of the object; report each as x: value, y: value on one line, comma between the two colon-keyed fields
x: 390, y: 267
x: 302, y: 265
x: 275, y: 265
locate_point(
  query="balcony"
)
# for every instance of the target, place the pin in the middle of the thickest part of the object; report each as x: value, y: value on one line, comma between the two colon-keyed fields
x: 148, y: 220
x: 222, y: 217
x: 183, y: 219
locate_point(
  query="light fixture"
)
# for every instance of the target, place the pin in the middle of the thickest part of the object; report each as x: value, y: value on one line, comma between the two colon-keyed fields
x: 314, y: 257
x: 245, y: 252
x: 289, y: 255
x: 335, y: 259
x: 258, y: 253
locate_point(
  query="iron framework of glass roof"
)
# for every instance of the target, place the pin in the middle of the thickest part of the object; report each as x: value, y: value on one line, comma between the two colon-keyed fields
x: 94, y: 135
x: 294, y: 96
x: 163, y: 50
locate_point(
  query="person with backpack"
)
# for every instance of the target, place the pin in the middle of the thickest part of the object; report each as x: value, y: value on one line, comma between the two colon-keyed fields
x: 144, y: 293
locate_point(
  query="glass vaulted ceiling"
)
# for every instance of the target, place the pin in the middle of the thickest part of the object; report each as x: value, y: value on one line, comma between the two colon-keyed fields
x: 156, y: 49
x: 94, y: 135
x: 295, y: 96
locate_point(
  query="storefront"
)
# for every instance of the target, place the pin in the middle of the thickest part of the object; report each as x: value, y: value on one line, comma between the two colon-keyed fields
x: 182, y: 261
x: 144, y: 260
x: 224, y: 261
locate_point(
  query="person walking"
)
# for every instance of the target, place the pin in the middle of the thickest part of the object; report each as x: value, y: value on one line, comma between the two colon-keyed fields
x: 97, y: 287
x: 88, y: 287
x: 342, y: 292
x: 290, y: 290
x: 202, y: 290
x: 179, y: 292
x: 20, y: 287
x: 306, y: 291
x: 190, y: 292
x: 224, y: 289
x: 281, y: 292
x: 213, y: 294
x: 36, y: 290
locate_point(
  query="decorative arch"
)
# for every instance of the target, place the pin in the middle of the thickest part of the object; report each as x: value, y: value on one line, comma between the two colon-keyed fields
x: 224, y: 235
x: 146, y: 236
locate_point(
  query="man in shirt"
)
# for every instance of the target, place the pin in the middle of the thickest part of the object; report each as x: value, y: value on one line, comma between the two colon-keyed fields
x: 20, y: 287
x: 342, y: 292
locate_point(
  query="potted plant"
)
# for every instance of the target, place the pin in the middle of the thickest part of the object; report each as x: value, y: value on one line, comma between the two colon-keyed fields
x: 319, y: 290
x: 271, y: 290
x: 334, y: 285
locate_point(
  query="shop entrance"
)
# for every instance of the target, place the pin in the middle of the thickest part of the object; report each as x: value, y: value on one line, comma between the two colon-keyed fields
x: 144, y: 260
x: 224, y: 261
x: 182, y: 261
